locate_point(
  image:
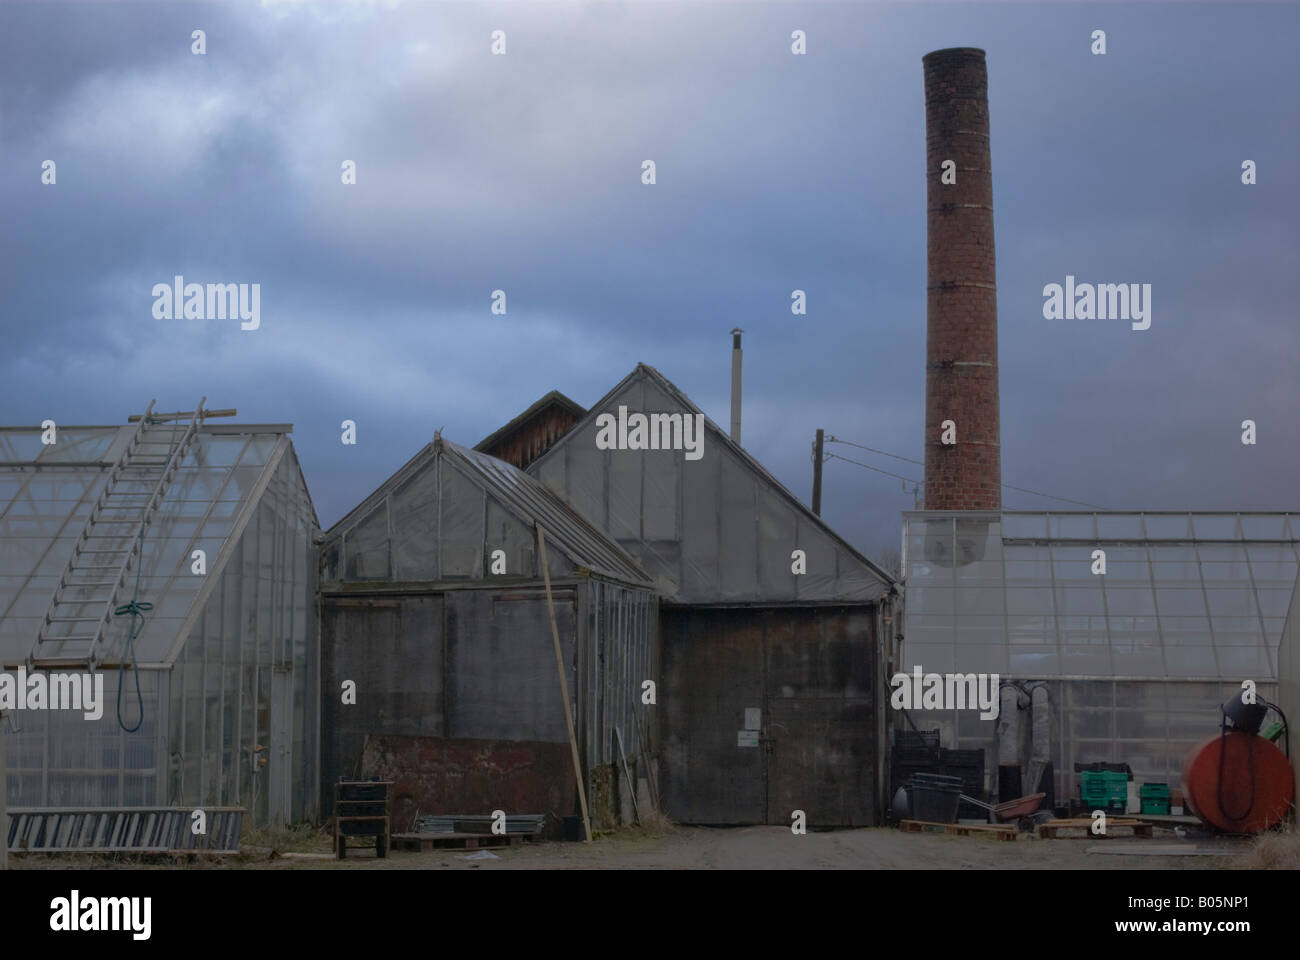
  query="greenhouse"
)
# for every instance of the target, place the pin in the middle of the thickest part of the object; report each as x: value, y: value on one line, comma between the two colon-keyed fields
x: 1140, y: 623
x: 174, y: 557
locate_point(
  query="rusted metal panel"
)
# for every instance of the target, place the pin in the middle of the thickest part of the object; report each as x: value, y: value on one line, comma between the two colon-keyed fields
x: 441, y: 776
x: 821, y: 759
x: 809, y: 673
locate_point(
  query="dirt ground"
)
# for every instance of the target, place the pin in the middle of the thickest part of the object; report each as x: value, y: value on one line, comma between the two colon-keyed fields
x: 670, y: 847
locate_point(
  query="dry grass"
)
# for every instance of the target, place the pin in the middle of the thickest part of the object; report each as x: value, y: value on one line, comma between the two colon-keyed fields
x: 268, y: 843
x: 1275, y: 850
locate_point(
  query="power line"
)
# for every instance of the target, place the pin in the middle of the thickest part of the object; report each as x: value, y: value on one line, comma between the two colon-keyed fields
x: 836, y: 456
x: 1051, y: 497
x: 919, y: 463
x: 1008, y: 486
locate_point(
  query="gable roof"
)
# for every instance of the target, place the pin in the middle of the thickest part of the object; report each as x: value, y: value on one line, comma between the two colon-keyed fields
x: 552, y: 400
x: 523, y: 497
x: 47, y: 492
x: 548, y: 468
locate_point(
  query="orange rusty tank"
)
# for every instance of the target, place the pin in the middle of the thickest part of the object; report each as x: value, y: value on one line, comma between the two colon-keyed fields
x: 1258, y: 784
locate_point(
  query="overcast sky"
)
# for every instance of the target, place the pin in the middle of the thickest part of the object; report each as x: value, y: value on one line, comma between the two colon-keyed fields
x: 775, y: 172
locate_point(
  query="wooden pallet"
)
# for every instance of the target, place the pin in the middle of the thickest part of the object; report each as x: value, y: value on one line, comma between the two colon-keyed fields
x: 1003, y: 831
x: 1051, y: 829
x: 420, y: 842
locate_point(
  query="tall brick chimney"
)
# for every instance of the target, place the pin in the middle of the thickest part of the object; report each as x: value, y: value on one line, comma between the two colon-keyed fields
x: 961, y: 342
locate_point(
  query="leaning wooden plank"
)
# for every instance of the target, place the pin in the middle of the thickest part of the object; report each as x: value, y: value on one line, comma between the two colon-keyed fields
x: 564, y: 683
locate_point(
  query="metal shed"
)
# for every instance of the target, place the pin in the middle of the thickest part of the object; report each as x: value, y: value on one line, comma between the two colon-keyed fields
x: 771, y: 676
x: 433, y: 604
x: 218, y: 702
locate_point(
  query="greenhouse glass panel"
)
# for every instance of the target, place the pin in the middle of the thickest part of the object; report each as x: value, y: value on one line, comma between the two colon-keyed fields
x: 1124, y: 602
x: 1264, y: 527
x: 1274, y: 573
x: 1073, y: 564
x: 1031, y: 629
x: 931, y: 657
x: 1119, y: 526
x: 1030, y: 600
x: 1034, y: 662
x: 1072, y: 526
x: 1211, y: 527
x: 1080, y: 600
x: 1168, y: 526
x: 931, y: 628
x: 1024, y: 526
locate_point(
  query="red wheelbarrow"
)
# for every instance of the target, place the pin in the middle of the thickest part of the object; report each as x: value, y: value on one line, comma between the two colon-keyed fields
x: 1011, y: 809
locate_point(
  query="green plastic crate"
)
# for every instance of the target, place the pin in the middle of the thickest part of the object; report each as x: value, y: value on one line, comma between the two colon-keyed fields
x: 1104, y: 789
x: 1155, y: 798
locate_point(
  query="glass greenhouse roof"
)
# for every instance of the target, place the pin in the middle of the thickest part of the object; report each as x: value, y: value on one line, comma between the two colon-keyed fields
x: 47, y: 492
x: 1185, y: 595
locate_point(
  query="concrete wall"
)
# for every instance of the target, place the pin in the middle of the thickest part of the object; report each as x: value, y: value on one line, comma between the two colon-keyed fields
x: 465, y: 664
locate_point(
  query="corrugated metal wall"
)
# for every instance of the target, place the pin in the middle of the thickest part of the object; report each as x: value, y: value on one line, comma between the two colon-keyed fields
x: 622, y: 656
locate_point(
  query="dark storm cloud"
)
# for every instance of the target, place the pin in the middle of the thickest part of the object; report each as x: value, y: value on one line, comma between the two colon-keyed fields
x: 774, y: 173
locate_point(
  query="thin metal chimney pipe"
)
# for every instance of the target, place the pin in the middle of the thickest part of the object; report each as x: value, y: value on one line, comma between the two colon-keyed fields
x: 818, y: 456
x: 735, y: 384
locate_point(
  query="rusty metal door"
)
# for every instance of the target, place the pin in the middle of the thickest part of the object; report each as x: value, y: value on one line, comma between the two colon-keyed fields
x: 765, y: 712
x: 712, y: 673
x: 819, y: 728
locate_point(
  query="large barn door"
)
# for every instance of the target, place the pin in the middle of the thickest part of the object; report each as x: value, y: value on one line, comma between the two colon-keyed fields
x: 766, y: 712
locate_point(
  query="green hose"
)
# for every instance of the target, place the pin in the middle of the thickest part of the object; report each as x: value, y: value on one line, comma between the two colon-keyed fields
x: 136, y: 610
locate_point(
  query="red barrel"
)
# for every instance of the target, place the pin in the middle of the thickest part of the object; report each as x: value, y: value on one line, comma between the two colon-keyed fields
x: 1240, y: 811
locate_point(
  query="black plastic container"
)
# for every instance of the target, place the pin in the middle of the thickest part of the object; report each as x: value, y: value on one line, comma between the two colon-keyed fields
x: 934, y: 797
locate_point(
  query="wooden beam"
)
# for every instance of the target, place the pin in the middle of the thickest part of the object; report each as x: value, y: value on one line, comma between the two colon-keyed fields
x: 4, y: 815
x: 182, y: 415
x: 564, y: 682
x: 627, y: 776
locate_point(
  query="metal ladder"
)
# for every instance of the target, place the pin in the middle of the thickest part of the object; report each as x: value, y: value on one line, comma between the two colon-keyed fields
x: 109, y: 549
x: 121, y: 830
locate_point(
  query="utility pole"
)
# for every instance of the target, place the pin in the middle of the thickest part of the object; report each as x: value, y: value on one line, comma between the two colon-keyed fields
x: 817, y: 472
